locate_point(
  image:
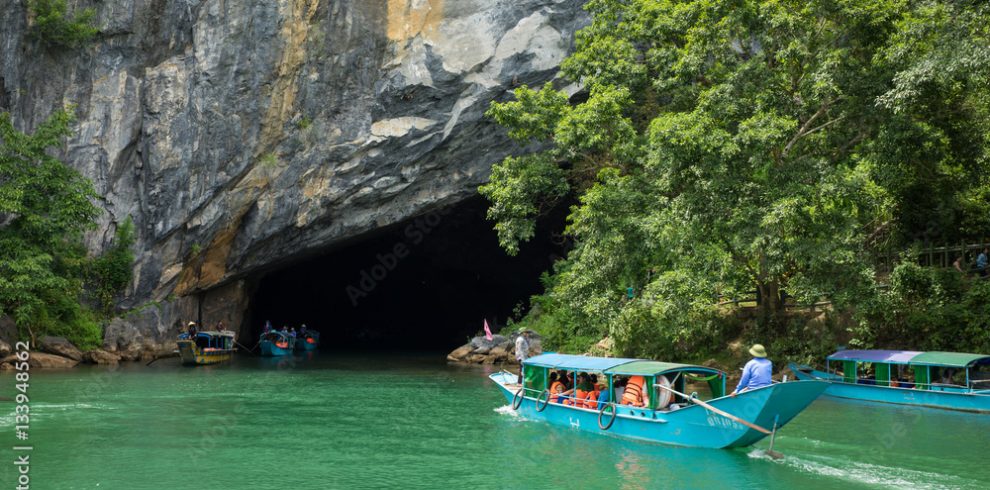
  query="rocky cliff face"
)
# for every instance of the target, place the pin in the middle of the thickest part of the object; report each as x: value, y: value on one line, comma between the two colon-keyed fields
x: 241, y: 134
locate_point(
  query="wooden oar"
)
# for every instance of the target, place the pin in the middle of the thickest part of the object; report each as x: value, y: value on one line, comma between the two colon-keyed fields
x: 770, y: 452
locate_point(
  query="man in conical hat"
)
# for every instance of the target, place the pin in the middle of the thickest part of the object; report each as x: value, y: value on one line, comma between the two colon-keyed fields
x: 757, y: 372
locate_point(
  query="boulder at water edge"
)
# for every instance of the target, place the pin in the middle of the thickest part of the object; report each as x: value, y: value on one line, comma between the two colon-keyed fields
x: 40, y: 360
x: 60, y: 347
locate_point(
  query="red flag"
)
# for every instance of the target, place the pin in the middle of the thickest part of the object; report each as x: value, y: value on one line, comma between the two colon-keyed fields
x: 488, y: 331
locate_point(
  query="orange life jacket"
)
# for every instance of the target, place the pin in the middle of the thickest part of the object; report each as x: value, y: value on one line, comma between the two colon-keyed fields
x: 634, y: 392
x: 591, y: 401
x: 554, y: 397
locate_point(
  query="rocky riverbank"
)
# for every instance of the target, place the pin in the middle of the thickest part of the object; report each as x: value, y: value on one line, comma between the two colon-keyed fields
x: 58, y: 353
x: 500, y: 350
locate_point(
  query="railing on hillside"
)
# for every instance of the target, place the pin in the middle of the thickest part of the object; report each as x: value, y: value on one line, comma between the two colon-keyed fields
x: 945, y: 255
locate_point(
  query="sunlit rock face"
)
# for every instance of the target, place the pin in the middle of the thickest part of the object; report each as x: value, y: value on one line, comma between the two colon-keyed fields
x: 242, y: 134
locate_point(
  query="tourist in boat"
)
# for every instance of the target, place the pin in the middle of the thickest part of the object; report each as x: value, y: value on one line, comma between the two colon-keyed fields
x: 636, y: 393
x: 292, y: 332
x: 556, y: 389
x: 522, y: 351
x: 268, y: 326
x: 757, y: 372
x: 580, y: 391
x: 302, y: 330
x: 603, y: 396
x: 191, y: 330
x: 619, y: 386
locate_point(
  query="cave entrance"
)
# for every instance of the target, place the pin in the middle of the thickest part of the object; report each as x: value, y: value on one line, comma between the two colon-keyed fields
x: 422, y: 284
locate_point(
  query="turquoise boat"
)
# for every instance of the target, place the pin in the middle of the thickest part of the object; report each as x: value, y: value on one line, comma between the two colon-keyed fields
x: 276, y: 343
x: 946, y: 380
x: 206, y: 347
x: 308, y: 341
x: 672, y: 415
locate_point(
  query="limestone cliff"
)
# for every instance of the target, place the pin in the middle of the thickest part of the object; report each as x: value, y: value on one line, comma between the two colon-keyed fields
x: 241, y: 134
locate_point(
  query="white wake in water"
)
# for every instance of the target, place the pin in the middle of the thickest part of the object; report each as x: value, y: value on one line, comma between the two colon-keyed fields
x: 506, y: 410
x: 871, y: 474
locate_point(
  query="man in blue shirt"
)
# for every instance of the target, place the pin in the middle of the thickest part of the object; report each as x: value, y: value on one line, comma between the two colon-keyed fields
x: 757, y: 372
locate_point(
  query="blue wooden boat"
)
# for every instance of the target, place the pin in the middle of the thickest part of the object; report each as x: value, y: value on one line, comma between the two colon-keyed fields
x: 206, y: 347
x: 308, y: 341
x: 276, y: 343
x: 671, y: 417
x: 947, y: 380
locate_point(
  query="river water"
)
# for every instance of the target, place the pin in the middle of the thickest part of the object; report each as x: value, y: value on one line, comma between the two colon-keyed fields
x: 402, y: 420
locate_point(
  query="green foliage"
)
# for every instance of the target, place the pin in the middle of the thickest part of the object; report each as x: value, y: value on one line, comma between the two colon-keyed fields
x: 728, y: 145
x: 54, y: 26
x: 927, y: 309
x: 111, y: 272
x: 44, y: 209
x: 268, y: 160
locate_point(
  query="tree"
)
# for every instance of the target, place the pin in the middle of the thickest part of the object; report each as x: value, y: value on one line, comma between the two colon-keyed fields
x: 45, y: 207
x: 731, y: 145
x: 54, y: 26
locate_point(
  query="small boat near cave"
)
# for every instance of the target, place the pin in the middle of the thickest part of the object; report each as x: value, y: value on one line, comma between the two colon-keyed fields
x: 672, y: 416
x: 204, y: 348
x: 308, y: 341
x: 275, y: 343
x: 946, y: 380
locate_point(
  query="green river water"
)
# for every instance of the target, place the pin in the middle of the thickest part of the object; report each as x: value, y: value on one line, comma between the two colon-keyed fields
x: 411, y: 421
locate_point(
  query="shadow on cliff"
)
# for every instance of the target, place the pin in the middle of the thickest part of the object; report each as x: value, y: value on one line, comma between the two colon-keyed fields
x: 424, y: 284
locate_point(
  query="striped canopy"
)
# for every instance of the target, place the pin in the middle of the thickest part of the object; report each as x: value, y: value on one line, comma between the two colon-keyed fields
x: 947, y: 359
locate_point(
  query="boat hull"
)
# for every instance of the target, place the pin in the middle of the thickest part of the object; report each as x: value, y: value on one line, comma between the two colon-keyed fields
x: 193, y: 355
x: 269, y: 349
x: 302, y: 345
x: 946, y: 400
x: 692, y: 426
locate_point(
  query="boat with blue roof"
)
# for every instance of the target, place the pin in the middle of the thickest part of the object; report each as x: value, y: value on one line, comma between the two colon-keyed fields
x: 276, y: 343
x: 671, y: 410
x: 945, y: 380
x: 202, y: 348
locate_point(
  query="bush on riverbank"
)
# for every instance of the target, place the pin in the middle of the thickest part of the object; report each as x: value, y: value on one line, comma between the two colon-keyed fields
x: 927, y: 308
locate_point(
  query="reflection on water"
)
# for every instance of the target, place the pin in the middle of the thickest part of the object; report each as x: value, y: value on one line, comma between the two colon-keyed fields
x: 373, y: 421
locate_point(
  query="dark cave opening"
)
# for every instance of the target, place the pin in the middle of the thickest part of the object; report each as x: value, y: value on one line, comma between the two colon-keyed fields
x: 423, y: 284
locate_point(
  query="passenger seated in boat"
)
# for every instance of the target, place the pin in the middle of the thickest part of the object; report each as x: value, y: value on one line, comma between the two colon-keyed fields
x: 619, y: 386
x: 603, y: 396
x: 635, y: 393
x: 556, y: 388
x: 591, y: 401
x: 580, y: 391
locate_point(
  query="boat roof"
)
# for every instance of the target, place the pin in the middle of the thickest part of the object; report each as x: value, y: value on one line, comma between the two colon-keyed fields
x: 214, y: 333
x: 933, y: 358
x: 611, y: 365
x: 896, y: 356
x: 655, y: 368
x: 574, y: 362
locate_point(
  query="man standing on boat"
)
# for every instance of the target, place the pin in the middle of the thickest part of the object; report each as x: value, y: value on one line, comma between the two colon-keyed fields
x: 757, y: 372
x: 522, y: 351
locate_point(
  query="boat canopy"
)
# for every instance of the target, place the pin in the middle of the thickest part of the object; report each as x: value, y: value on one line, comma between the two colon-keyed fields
x: 950, y: 359
x: 656, y: 368
x: 894, y: 356
x: 947, y: 359
x: 575, y: 363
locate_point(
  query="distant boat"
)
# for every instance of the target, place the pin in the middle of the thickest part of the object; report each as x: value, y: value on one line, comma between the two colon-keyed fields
x: 946, y: 380
x: 206, y: 347
x: 672, y: 416
x: 276, y: 343
x: 308, y: 341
